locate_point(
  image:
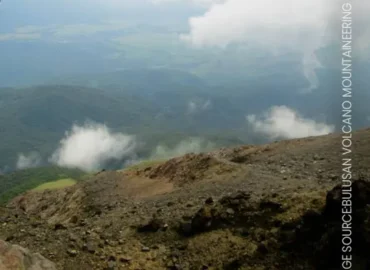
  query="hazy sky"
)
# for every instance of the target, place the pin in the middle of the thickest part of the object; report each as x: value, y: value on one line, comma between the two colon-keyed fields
x: 303, y: 25
x: 279, y: 26
x: 45, y: 38
x: 16, y: 13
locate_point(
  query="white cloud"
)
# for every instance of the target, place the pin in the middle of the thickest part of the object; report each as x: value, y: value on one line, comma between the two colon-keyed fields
x: 73, y: 30
x: 92, y: 145
x: 30, y: 32
x: 28, y: 161
x: 264, y: 20
x: 197, y: 2
x: 191, y: 145
x: 198, y: 106
x: 19, y: 36
x: 283, y: 122
x: 30, y: 29
x: 279, y: 25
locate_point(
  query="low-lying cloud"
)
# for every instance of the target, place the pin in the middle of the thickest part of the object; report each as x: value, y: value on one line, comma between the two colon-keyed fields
x: 89, y: 147
x: 196, y: 106
x: 191, y: 145
x: 19, y: 36
x: 30, y: 160
x: 283, y: 122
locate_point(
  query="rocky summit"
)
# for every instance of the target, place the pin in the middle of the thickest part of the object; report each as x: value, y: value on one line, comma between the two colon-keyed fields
x: 267, y: 207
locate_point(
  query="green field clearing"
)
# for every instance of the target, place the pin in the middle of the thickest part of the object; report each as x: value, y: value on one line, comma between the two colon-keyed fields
x: 62, y: 183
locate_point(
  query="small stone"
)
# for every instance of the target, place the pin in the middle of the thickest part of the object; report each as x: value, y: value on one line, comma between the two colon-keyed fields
x: 111, y: 265
x: 145, y: 249
x: 72, y: 252
x: 9, y: 238
x: 82, y: 223
x: 73, y: 237
x: 244, y: 232
x: 235, y: 202
x: 125, y: 259
x: 186, y: 228
x: 152, y: 226
x: 182, y: 246
x: 59, y: 226
x: 89, y: 247
x: 209, y: 200
x: 73, y: 219
x: 230, y: 211
x: 262, y: 248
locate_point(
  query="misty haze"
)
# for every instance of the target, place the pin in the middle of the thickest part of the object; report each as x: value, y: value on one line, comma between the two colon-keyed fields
x: 184, y: 134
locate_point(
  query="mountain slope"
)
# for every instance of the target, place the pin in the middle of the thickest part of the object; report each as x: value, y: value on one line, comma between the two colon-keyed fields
x: 251, y: 207
x: 15, y: 183
x: 35, y: 119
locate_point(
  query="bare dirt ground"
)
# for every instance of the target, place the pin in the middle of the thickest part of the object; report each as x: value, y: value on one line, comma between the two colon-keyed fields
x: 251, y: 207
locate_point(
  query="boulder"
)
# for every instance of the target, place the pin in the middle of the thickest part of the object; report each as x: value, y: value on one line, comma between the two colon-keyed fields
x: 13, y: 257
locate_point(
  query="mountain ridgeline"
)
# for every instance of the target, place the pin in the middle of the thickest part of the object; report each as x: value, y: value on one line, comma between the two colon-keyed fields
x: 274, y: 206
x: 156, y: 105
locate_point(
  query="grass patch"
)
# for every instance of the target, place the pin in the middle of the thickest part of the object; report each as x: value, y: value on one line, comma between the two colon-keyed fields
x: 14, y: 184
x: 144, y: 164
x: 62, y: 183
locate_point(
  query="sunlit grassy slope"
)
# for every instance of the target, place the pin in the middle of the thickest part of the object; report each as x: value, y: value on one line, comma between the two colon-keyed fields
x: 62, y: 183
x: 14, y: 184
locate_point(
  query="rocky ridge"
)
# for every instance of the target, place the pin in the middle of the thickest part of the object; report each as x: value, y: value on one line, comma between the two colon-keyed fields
x: 273, y: 206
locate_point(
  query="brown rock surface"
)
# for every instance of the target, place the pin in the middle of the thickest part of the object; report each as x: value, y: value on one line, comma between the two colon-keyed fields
x: 251, y: 207
x: 14, y: 257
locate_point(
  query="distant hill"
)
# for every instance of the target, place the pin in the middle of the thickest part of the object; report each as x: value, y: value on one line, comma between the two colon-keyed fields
x: 159, y: 105
x: 144, y: 81
x: 36, y: 118
x: 18, y: 182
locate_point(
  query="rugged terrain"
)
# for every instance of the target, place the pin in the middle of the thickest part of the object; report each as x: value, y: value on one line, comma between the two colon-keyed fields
x: 266, y: 207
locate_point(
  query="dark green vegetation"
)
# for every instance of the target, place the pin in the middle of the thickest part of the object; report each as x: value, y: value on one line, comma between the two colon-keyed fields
x: 36, y: 118
x: 18, y: 182
x: 159, y: 106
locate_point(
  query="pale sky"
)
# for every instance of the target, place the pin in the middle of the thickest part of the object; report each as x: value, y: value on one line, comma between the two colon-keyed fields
x: 278, y: 26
